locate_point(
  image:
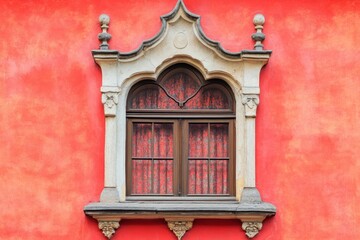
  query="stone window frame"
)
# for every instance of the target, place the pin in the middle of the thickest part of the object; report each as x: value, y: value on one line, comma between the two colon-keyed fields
x: 180, y: 40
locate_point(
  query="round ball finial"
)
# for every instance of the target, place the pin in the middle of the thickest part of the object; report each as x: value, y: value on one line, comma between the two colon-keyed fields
x: 259, y: 19
x: 104, y: 19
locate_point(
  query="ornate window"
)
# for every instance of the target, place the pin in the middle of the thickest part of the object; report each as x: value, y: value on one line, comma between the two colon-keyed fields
x: 180, y: 136
x: 180, y: 124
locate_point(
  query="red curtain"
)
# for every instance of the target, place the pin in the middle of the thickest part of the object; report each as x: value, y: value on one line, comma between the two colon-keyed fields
x: 209, y: 97
x: 208, y: 158
x: 181, y: 86
x: 152, y: 158
x: 152, y: 96
x: 153, y: 142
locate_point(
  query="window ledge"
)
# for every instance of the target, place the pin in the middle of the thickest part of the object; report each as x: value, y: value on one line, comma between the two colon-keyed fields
x: 179, y: 215
x: 158, y: 208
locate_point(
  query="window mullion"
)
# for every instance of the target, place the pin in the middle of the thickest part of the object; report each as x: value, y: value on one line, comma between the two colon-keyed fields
x: 181, y: 161
x: 208, y: 160
x: 152, y: 158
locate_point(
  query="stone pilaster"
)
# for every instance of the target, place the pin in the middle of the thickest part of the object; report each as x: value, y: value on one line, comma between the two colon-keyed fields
x: 110, y: 100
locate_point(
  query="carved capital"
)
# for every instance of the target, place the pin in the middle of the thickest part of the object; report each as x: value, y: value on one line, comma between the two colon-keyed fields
x: 250, y: 102
x: 179, y: 227
x: 110, y: 100
x: 108, y: 228
x: 251, y: 228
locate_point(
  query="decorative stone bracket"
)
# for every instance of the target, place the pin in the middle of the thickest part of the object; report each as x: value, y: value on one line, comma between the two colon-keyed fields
x: 251, y: 222
x: 179, y: 226
x: 108, y: 228
x: 108, y: 224
x: 252, y: 225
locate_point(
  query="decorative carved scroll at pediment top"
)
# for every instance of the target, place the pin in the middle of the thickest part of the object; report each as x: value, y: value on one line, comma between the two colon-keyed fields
x: 108, y: 228
x: 250, y: 102
x: 179, y: 227
x: 251, y: 228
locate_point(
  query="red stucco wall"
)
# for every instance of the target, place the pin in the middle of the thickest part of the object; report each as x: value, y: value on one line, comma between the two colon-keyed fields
x: 52, y: 124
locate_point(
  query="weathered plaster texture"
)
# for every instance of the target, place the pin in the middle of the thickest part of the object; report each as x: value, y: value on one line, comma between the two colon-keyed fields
x: 52, y: 127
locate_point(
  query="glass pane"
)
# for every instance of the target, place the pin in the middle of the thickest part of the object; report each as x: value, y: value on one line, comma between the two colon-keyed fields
x: 198, y: 177
x: 142, y: 140
x: 209, y: 97
x: 152, y: 175
x: 181, y: 86
x: 141, y: 177
x: 163, y: 177
x: 198, y: 140
x: 218, y: 177
x: 219, y: 140
x: 163, y: 140
x: 152, y: 97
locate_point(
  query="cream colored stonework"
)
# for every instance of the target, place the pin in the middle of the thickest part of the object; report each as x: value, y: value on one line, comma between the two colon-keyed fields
x: 181, y: 41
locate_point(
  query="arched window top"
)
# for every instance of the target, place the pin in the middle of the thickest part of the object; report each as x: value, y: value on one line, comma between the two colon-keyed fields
x: 181, y: 88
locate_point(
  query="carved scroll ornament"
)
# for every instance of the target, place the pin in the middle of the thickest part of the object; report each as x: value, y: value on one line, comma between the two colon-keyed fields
x: 108, y: 228
x: 110, y: 100
x: 250, y: 102
x: 251, y: 228
x: 179, y: 227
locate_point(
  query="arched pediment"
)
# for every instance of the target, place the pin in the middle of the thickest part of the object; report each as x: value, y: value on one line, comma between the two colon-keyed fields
x: 181, y: 40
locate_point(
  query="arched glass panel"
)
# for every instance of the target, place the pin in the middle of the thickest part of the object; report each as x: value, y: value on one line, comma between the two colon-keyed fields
x: 181, y: 84
x: 151, y: 96
x: 211, y: 96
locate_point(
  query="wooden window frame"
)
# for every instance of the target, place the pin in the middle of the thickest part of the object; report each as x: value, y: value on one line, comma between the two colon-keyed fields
x: 180, y: 183
x: 181, y: 118
x: 130, y: 122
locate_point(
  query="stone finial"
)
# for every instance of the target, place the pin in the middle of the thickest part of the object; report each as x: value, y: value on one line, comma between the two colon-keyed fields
x: 259, y: 36
x: 104, y: 36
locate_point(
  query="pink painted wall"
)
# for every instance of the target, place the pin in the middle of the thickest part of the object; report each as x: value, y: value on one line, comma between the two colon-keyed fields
x: 52, y: 124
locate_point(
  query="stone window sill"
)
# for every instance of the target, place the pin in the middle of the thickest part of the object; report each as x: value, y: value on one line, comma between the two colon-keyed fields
x: 180, y: 215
